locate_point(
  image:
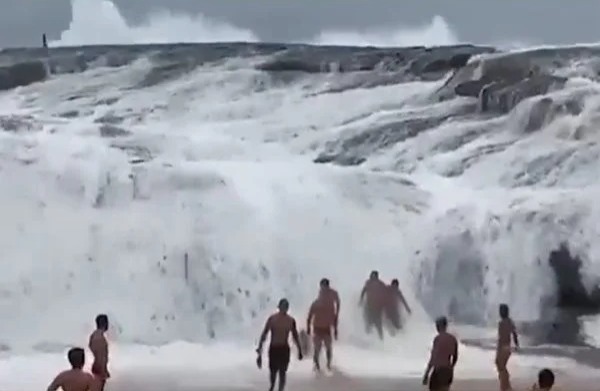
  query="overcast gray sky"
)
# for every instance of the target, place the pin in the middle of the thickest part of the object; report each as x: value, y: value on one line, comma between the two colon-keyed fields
x: 540, y: 21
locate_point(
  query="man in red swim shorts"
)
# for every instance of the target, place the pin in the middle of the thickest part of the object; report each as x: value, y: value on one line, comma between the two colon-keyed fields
x: 322, y: 322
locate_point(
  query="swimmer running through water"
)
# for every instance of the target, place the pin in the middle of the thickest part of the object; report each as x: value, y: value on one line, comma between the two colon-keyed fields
x: 444, y: 356
x: 394, y: 299
x: 74, y: 379
x: 99, y: 347
x: 375, y: 292
x: 280, y: 325
x: 506, y: 329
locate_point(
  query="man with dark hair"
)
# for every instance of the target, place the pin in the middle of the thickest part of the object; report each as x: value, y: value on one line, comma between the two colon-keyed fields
x: 545, y: 380
x: 74, y: 379
x: 506, y: 330
x: 443, y: 359
x: 99, y: 347
x: 280, y: 325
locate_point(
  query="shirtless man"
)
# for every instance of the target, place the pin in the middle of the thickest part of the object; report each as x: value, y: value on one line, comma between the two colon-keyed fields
x: 280, y: 325
x: 323, y: 321
x: 444, y: 355
x: 99, y: 347
x: 375, y: 291
x: 394, y: 299
x: 74, y: 379
x: 506, y: 330
x: 332, y: 299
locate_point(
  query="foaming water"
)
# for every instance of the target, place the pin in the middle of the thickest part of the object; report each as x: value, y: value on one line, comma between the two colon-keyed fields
x: 436, y: 32
x: 96, y: 22
x: 182, y: 365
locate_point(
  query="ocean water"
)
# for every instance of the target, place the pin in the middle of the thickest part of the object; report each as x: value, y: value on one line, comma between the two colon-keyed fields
x: 174, y: 187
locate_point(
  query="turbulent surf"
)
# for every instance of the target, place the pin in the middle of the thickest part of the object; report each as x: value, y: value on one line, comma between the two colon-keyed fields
x: 184, y: 188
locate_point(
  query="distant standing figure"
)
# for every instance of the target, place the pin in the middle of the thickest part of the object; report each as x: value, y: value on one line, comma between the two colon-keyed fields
x: 99, y: 347
x: 74, y: 379
x: 394, y: 299
x: 444, y: 356
x: 44, y: 41
x: 280, y: 325
x: 322, y: 322
x: 506, y: 330
x: 332, y: 299
x: 375, y: 292
x: 545, y: 381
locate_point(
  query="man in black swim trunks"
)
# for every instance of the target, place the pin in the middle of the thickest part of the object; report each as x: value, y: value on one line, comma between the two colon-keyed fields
x: 444, y: 355
x: 280, y: 325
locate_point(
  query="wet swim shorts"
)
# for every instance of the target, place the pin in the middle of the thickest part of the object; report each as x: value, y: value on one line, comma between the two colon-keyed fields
x: 440, y: 378
x: 279, y: 358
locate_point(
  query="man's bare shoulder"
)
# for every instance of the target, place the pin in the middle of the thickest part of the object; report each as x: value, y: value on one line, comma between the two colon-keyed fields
x: 62, y: 375
x: 454, y: 339
x: 97, y: 335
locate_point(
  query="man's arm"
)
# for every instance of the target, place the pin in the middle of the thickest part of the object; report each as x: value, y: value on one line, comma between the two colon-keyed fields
x: 404, y: 303
x: 56, y: 383
x: 363, y: 293
x: 514, y: 334
x: 430, y: 362
x: 455, y: 353
x: 263, y: 335
x: 337, y: 306
x: 296, y: 339
x: 311, y: 314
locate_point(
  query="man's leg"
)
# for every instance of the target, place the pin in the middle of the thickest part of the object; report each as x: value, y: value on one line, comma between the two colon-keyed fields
x: 367, y: 318
x: 502, y: 356
x: 273, y: 367
x: 378, y: 321
x: 283, y: 367
x: 318, y: 343
x: 328, y: 350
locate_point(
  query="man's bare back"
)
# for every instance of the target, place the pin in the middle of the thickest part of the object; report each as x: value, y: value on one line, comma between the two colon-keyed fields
x: 72, y: 380
x: 506, y: 330
x: 281, y: 326
x: 445, y: 346
x: 444, y: 356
